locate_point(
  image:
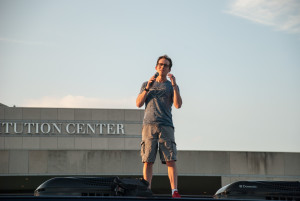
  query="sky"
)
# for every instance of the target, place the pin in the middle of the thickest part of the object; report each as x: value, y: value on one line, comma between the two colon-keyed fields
x: 236, y: 62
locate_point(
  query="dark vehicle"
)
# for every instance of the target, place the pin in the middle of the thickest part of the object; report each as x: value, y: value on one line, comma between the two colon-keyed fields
x: 265, y: 190
x: 94, y: 186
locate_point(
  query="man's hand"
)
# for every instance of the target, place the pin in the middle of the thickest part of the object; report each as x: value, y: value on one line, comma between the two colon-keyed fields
x: 172, y: 78
x: 150, y: 82
x: 177, y: 97
x: 142, y: 96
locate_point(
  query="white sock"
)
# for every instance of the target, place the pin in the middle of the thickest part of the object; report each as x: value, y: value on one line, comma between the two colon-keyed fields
x: 173, y: 190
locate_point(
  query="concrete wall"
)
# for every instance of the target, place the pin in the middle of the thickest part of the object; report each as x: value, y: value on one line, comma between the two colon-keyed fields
x: 71, y: 154
x: 131, y: 119
x: 231, y: 166
x: 236, y: 166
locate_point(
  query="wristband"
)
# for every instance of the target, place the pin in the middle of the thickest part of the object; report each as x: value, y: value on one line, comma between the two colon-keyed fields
x: 146, y: 89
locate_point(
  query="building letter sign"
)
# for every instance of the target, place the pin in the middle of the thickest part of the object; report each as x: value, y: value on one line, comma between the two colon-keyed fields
x: 61, y: 128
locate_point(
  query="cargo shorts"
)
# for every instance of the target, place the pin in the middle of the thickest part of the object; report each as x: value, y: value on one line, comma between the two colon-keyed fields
x: 158, y: 138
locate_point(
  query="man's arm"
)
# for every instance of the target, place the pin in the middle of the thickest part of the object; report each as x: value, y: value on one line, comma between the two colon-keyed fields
x: 140, y: 100
x: 177, y: 100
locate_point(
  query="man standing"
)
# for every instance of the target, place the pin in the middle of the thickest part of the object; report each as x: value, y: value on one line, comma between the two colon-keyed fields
x: 158, y: 95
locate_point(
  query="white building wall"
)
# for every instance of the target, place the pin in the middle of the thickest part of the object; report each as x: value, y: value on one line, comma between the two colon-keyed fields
x: 118, y: 154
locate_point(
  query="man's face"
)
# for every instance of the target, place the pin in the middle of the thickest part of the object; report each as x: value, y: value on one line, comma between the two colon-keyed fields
x: 163, y: 67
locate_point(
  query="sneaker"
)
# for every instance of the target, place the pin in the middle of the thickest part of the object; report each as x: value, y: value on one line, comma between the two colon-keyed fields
x: 176, y: 195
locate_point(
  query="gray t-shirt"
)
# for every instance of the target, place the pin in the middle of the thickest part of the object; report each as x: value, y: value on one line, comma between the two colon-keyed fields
x: 158, y: 104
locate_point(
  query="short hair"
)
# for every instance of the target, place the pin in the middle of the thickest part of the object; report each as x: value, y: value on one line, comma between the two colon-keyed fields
x: 165, y: 57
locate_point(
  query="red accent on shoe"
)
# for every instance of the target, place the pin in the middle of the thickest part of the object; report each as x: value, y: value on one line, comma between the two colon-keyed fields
x: 176, y: 195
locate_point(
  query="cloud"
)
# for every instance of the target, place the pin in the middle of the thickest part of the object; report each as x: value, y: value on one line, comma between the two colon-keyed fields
x: 283, y: 15
x: 70, y: 101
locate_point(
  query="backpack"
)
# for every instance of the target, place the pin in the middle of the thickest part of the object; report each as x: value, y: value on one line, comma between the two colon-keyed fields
x: 132, y: 187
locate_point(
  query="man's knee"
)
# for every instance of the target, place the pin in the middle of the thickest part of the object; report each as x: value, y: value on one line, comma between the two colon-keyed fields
x: 170, y: 163
x: 148, y: 164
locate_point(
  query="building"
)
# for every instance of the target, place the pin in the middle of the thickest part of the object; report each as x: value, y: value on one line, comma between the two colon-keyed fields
x: 40, y: 143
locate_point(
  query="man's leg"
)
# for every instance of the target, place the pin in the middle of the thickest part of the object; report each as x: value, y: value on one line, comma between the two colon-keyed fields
x: 172, y: 173
x: 147, y: 172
